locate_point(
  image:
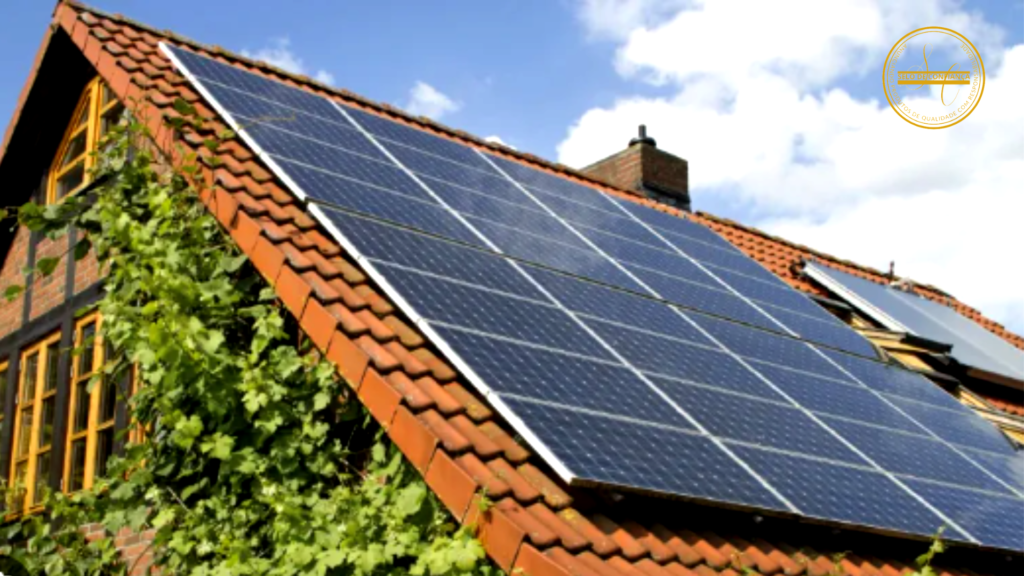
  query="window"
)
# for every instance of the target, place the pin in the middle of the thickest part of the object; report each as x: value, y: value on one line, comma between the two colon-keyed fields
x: 34, y: 417
x: 3, y: 391
x: 98, y: 110
x: 92, y: 413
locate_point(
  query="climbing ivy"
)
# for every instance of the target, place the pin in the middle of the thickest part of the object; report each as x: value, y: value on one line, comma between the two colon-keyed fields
x: 250, y: 456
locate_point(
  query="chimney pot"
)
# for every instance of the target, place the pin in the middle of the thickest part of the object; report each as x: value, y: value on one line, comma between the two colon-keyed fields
x: 643, y: 138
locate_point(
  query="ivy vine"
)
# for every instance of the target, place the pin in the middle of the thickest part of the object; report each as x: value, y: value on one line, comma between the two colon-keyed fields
x: 253, y: 456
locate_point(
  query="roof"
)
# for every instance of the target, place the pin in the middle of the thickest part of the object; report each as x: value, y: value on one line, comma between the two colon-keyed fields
x: 446, y: 430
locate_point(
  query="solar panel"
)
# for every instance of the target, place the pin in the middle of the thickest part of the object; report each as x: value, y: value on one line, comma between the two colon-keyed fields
x: 629, y: 347
x: 973, y: 345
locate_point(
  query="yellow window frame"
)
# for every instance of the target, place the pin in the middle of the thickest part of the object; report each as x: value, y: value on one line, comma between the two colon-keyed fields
x: 33, y: 437
x: 3, y: 391
x: 96, y: 104
x: 92, y: 413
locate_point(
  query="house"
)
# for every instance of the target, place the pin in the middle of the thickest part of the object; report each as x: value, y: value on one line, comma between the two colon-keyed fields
x: 461, y: 438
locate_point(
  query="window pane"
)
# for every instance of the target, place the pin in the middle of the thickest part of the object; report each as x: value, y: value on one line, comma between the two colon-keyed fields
x: 76, y: 147
x: 71, y: 180
x: 104, y: 449
x: 83, y: 116
x: 111, y: 118
x: 52, y: 365
x: 77, y: 480
x: 49, y: 416
x: 81, y: 420
x: 19, y: 479
x: 108, y: 401
x: 25, y: 434
x: 108, y: 95
x: 42, y: 477
x: 85, y: 360
x: 3, y: 391
x: 28, y: 378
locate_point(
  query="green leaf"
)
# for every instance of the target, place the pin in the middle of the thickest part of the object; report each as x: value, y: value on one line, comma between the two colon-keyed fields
x: 12, y: 291
x: 181, y: 106
x: 46, y: 266
x: 218, y: 446
x: 82, y: 248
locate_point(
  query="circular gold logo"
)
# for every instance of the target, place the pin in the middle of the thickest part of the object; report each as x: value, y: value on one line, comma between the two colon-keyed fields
x: 933, y: 77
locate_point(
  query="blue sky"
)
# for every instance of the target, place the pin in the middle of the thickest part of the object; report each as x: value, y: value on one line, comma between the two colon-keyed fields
x: 780, y: 112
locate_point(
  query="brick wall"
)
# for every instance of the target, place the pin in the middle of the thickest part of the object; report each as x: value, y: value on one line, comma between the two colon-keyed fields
x: 48, y: 291
x: 11, y: 274
x: 134, y: 547
x: 87, y: 271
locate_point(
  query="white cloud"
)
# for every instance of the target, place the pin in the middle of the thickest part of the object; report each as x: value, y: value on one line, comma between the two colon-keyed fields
x: 754, y: 107
x: 425, y: 100
x: 498, y: 140
x: 279, y: 53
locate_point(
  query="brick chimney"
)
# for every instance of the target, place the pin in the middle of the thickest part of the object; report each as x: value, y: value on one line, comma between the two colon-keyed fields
x: 646, y: 170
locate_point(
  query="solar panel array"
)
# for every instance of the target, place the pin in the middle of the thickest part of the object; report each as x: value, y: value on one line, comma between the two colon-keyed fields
x: 973, y: 345
x: 631, y: 348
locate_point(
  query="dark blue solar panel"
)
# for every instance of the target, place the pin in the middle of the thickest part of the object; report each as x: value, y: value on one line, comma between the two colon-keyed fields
x: 995, y: 520
x: 527, y: 321
x: 447, y: 171
x: 234, y: 77
x: 340, y: 162
x: 258, y: 114
x: 564, y: 386
x: 681, y: 229
x: 419, y: 139
x: 651, y: 258
x: 704, y: 298
x: 826, y: 396
x: 843, y: 493
x: 554, y: 185
x: 406, y: 248
x: 728, y: 260
x: 761, y: 345
x: 521, y: 219
x: 560, y: 256
x: 915, y: 455
x: 1008, y: 468
x: 582, y: 216
x: 617, y: 306
x: 660, y: 355
x: 630, y: 454
x: 893, y: 380
x: 774, y: 294
x: 957, y: 427
x: 758, y: 422
x: 826, y: 331
x: 353, y: 195
x: 511, y: 368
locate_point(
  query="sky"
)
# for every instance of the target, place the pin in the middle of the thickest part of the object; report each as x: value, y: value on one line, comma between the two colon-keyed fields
x: 778, y: 106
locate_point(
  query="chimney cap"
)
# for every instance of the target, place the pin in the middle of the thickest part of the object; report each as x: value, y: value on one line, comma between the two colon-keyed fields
x: 643, y: 138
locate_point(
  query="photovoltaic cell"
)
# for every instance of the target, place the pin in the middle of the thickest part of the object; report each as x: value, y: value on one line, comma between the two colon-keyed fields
x: 825, y: 396
x: 633, y: 348
x: 754, y: 421
x: 631, y: 454
x: 995, y: 520
x: 513, y: 369
x: 916, y: 456
x: 493, y: 313
x: 842, y: 493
